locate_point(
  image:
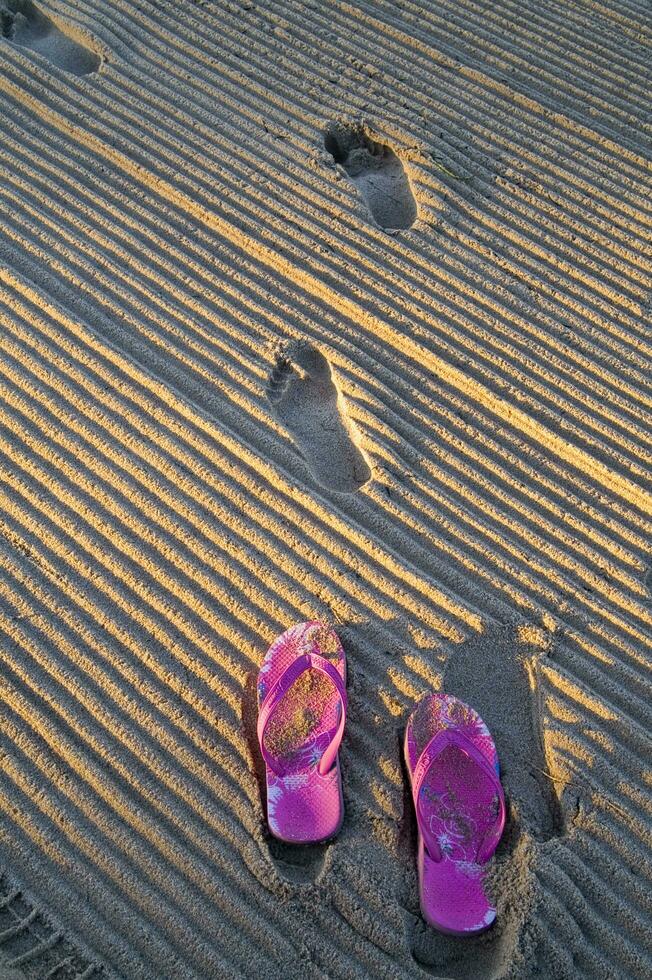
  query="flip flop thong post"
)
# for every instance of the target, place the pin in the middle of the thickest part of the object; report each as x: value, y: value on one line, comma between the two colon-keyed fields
x: 301, y: 717
x: 460, y: 809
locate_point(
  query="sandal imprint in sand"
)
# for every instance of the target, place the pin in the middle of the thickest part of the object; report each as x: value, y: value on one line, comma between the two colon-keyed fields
x: 460, y: 809
x: 301, y: 717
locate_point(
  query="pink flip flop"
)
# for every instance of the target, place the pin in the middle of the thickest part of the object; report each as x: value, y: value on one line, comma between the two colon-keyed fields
x: 460, y: 808
x: 301, y: 717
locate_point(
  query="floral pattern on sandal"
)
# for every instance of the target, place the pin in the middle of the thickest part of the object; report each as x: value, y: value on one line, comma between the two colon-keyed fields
x: 460, y: 808
x: 302, y: 709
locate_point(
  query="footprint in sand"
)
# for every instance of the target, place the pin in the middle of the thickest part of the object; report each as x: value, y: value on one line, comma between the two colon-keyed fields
x: 30, y: 944
x: 378, y: 174
x: 22, y: 23
x: 305, y: 398
x: 299, y: 864
x: 497, y: 673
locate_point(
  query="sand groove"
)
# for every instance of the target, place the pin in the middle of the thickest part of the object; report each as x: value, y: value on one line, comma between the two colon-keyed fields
x: 205, y: 339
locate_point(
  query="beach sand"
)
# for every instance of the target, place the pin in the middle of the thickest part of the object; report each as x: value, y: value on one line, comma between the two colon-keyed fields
x: 321, y: 310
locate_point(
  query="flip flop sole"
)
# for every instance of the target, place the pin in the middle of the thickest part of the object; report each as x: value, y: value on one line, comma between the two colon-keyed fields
x: 303, y: 806
x: 451, y: 890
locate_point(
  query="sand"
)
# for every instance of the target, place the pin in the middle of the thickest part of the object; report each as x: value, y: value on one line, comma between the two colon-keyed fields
x: 321, y: 310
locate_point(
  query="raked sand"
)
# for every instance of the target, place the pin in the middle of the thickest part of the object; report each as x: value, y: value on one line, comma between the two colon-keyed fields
x: 321, y: 310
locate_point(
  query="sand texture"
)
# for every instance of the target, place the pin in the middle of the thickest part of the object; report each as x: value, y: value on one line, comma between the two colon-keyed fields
x: 321, y: 310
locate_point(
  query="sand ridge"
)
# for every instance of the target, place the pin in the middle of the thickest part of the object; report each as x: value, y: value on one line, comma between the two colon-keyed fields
x: 174, y: 231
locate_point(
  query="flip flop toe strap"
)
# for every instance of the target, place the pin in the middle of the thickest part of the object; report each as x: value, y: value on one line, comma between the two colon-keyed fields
x: 440, y: 741
x: 307, y: 661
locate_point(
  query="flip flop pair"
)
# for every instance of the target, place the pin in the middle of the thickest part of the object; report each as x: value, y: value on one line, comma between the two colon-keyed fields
x: 450, y: 756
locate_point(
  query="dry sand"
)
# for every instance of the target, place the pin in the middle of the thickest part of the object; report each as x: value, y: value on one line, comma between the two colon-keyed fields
x: 338, y: 310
